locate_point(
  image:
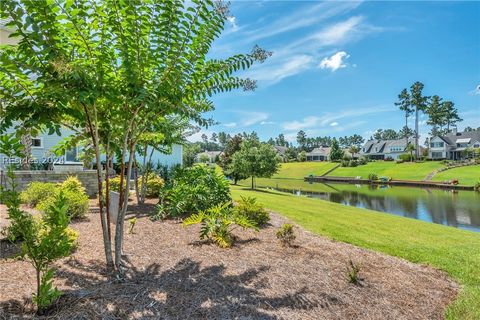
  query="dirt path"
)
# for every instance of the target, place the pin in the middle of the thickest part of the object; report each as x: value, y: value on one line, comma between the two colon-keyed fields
x: 174, y: 276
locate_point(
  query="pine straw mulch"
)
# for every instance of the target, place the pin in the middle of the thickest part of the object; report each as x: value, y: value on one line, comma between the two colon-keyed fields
x: 171, y: 275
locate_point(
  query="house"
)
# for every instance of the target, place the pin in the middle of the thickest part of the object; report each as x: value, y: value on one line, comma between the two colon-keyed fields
x: 452, y: 146
x: 42, y: 154
x: 212, y: 156
x: 281, y: 152
x: 384, y: 149
x: 319, y: 154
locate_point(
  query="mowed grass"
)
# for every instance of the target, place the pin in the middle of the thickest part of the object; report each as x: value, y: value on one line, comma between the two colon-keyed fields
x: 299, y: 170
x: 468, y: 175
x: 453, y: 250
x: 399, y: 171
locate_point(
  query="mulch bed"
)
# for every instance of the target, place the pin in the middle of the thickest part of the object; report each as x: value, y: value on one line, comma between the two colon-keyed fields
x: 172, y: 275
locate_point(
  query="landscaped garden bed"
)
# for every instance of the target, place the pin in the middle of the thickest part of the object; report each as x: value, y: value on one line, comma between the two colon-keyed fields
x: 173, y: 275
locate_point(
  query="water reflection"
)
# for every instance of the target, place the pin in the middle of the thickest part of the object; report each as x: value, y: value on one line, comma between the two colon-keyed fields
x: 459, y: 209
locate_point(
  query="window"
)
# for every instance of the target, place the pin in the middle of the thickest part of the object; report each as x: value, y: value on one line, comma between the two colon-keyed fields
x: 37, y: 143
x: 476, y: 145
x: 436, y: 145
x: 396, y: 149
x: 71, y: 155
x: 462, y: 145
x: 437, y: 155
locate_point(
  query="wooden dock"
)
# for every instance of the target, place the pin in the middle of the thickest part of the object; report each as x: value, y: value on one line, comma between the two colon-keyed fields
x: 408, y: 183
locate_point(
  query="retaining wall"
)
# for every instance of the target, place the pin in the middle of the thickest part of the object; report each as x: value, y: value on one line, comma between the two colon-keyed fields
x: 87, y: 177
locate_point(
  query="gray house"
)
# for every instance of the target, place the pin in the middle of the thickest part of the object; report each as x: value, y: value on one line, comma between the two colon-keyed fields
x: 453, y: 145
x: 319, y: 154
x: 383, y: 149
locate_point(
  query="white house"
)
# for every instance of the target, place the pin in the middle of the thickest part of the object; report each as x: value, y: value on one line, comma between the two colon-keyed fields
x: 453, y: 145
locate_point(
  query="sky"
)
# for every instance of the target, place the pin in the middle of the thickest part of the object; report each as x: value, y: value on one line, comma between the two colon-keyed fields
x: 337, y: 67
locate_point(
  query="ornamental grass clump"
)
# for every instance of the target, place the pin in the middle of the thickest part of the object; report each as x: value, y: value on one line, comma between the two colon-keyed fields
x: 352, y: 271
x: 218, y: 223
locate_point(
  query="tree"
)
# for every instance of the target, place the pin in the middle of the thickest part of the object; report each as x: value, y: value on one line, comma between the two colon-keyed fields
x: 109, y: 69
x: 353, y: 150
x: 420, y: 103
x: 301, y: 139
x: 406, y: 132
x: 226, y: 158
x: 404, y: 104
x: 204, y: 158
x: 255, y: 159
x: 214, y: 137
x: 302, y: 156
x: 410, y: 148
x: 356, y: 140
x: 280, y: 140
x: 450, y: 114
x: 336, y: 153
x: 436, y: 115
x: 190, y: 151
x: 222, y: 139
x: 387, y: 134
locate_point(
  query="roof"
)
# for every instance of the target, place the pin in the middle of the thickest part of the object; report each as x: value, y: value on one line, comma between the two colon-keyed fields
x: 281, y: 149
x: 322, y: 151
x: 382, y: 146
x: 464, y: 140
x: 452, y: 137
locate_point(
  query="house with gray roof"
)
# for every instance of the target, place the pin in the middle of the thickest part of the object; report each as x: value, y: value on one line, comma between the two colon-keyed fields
x: 452, y: 146
x: 319, y: 154
x: 383, y: 149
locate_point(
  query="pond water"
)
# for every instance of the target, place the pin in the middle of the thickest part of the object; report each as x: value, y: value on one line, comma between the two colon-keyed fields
x: 459, y: 209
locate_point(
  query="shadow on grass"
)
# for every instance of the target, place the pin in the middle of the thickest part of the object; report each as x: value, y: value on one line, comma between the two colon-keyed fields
x: 185, y: 291
x: 275, y: 193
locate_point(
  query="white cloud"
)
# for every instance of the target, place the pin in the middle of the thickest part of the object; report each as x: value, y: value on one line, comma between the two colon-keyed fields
x: 251, y: 118
x: 333, y: 124
x: 334, y: 62
x: 233, y: 22
x: 266, y: 122
x: 475, y: 91
x: 230, y: 124
x: 282, y: 68
x: 330, y: 117
x: 304, y: 17
x: 339, y: 32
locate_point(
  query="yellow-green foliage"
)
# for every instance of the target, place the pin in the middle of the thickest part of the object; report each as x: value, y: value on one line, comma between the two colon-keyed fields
x: 249, y: 207
x: 153, y: 187
x: 72, y: 184
x: 77, y: 203
x: 37, y: 192
x: 286, y: 235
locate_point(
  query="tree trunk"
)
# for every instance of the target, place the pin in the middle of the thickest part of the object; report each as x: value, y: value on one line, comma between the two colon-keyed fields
x: 252, y: 182
x: 135, y: 179
x: 107, y: 193
x: 121, y: 218
x: 416, y: 132
x: 106, y: 238
x: 27, y: 149
x: 406, y: 129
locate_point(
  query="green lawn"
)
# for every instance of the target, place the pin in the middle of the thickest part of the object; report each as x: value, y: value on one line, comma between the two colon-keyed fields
x: 468, y: 175
x: 453, y: 250
x: 400, y: 171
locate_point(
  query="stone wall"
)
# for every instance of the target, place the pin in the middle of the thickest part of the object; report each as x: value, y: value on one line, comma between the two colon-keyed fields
x: 87, y: 177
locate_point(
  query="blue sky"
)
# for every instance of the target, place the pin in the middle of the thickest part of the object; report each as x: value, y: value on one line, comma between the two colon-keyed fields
x: 337, y: 67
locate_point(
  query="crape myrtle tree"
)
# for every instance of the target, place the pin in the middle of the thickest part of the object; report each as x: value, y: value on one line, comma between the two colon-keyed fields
x: 111, y: 68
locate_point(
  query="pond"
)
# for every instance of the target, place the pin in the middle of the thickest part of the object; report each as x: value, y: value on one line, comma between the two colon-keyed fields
x: 460, y: 209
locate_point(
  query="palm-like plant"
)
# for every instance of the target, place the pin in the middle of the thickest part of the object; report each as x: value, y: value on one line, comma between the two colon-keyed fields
x: 218, y: 223
x: 410, y: 148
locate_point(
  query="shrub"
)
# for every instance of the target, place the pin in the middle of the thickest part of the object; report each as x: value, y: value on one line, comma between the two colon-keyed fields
x: 192, y: 190
x: 352, y: 163
x: 346, y: 157
x: 250, y: 208
x: 399, y: 161
x: 286, y: 235
x: 37, y: 192
x: 353, y: 271
x: 218, y: 222
x: 344, y: 163
x: 388, y: 159
x: 372, y: 177
x: 405, y: 157
x: 362, y: 160
x: 153, y: 187
x: 72, y: 184
x: 76, y: 203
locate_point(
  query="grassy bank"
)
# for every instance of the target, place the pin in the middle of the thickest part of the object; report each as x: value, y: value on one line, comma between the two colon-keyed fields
x: 468, y: 175
x: 399, y: 171
x: 452, y: 250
